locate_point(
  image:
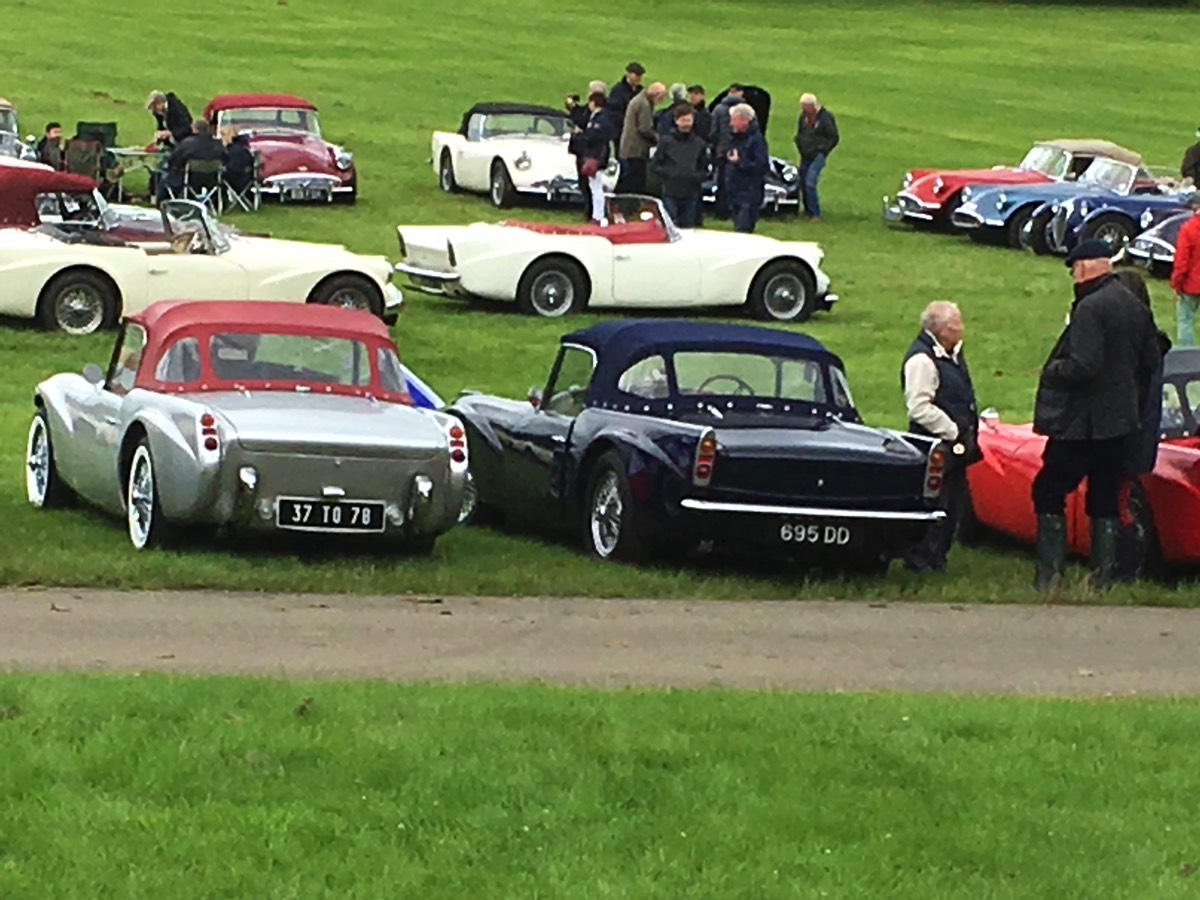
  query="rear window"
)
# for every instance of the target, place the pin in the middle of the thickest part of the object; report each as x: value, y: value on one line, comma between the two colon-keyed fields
x: 750, y: 375
x: 237, y: 356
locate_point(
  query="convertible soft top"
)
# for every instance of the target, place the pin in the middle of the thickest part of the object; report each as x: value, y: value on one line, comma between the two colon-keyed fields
x: 619, y: 344
x: 222, y: 102
x: 498, y: 109
x: 1096, y: 147
x: 20, y: 186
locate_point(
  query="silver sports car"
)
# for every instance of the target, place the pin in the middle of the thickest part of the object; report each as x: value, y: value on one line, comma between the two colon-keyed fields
x: 254, y: 415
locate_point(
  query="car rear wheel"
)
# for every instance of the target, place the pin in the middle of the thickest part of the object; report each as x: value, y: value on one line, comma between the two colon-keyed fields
x: 502, y: 192
x: 78, y: 303
x: 551, y: 288
x: 1114, y: 229
x: 143, y: 512
x: 784, y: 291
x: 446, y: 178
x: 43, y: 486
x: 611, y: 526
x: 348, y: 292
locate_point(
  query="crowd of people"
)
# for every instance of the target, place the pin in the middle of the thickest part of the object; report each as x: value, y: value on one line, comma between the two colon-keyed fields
x: 682, y: 142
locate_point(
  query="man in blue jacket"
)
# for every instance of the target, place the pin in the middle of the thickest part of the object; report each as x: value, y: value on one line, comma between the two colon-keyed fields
x: 746, y: 164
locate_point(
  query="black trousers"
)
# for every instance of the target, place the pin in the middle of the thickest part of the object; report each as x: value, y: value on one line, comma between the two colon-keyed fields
x: 931, y: 551
x: 633, y: 177
x: 1066, y: 463
x: 722, y: 195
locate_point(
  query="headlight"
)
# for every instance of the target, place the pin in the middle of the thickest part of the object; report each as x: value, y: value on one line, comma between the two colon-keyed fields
x: 1147, y: 218
x: 939, y: 185
x: 523, y: 161
x: 343, y: 159
x: 908, y: 179
x: 788, y: 172
x: 966, y: 194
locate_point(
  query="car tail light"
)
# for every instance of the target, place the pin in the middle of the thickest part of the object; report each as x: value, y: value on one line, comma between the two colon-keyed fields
x: 935, y: 471
x: 456, y: 435
x: 208, y: 438
x: 706, y: 458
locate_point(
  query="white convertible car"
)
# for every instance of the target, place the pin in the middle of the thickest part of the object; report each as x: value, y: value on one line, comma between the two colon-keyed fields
x: 506, y: 149
x: 639, y: 260
x: 81, y: 282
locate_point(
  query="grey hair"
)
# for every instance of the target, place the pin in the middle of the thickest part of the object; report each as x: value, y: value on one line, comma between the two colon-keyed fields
x: 678, y: 92
x: 743, y: 111
x: 937, y: 314
x: 597, y: 87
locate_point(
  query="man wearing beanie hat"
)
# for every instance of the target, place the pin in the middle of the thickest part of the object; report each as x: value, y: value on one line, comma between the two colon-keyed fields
x: 1191, y: 162
x: 1089, y: 399
x: 1185, y: 276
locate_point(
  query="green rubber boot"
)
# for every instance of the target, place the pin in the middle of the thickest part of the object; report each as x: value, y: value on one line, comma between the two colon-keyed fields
x: 1051, y: 550
x: 1105, y: 533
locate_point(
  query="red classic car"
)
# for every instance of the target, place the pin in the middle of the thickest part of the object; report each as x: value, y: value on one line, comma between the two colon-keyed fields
x: 930, y: 196
x: 295, y: 162
x: 1165, y: 503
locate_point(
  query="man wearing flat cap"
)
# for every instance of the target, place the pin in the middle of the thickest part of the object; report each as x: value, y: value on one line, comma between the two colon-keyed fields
x: 1089, y: 399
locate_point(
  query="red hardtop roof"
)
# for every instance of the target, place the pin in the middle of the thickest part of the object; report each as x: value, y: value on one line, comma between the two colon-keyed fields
x: 222, y: 102
x: 20, y: 186
x: 168, y: 316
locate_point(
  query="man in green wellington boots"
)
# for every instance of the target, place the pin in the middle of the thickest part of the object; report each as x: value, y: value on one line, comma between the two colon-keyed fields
x: 1089, y: 399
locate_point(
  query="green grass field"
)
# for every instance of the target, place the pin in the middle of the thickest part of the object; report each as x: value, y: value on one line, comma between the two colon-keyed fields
x: 155, y: 787
x: 911, y: 83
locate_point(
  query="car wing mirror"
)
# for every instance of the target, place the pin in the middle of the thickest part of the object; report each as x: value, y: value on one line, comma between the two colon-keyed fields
x: 535, y: 397
x: 93, y: 374
x: 989, y: 416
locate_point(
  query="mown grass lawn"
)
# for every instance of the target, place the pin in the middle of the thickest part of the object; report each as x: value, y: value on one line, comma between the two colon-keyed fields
x: 158, y: 787
x: 912, y: 83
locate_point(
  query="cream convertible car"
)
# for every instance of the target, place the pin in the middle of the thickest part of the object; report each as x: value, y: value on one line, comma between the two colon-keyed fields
x: 640, y: 260
x: 79, y: 283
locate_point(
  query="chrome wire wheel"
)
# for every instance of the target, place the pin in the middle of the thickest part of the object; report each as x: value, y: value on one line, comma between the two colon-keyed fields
x: 351, y: 298
x: 37, y: 463
x: 79, y: 309
x: 1112, y: 234
x: 606, y: 517
x: 552, y: 293
x: 784, y: 296
x: 139, y: 499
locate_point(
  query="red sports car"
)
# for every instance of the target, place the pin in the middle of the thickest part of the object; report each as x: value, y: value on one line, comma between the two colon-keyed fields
x: 930, y: 196
x: 1165, y: 503
x: 295, y: 162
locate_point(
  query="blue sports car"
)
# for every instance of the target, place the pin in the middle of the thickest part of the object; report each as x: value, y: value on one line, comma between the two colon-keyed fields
x: 1154, y: 248
x: 1111, y: 217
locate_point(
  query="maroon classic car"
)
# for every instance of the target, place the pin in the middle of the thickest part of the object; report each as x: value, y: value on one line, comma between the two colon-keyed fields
x: 295, y: 162
x: 33, y: 195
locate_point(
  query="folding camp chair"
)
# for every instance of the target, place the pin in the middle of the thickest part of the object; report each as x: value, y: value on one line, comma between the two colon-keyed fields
x: 202, y: 182
x: 81, y: 156
x: 107, y: 173
x: 250, y: 197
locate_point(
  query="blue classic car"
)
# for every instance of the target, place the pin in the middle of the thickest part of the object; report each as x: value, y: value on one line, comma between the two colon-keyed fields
x: 656, y: 436
x: 1004, y: 214
x: 1154, y: 248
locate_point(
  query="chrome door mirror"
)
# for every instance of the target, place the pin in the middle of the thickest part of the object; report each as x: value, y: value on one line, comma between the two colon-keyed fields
x: 94, y: 374
x: 535, y: 397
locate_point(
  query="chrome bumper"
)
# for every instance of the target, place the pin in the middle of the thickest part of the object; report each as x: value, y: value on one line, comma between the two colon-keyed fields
x: 907, y: 209
x: 712, y: 506
x: 431, y: 281
x: 1158, y: 252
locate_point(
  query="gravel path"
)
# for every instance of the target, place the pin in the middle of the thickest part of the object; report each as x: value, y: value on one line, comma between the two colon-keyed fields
x: 807, y: 646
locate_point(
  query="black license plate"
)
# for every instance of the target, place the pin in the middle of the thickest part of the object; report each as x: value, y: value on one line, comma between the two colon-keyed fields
x: 304, y: 514
x: 818, y: 534
x: 307, y: 194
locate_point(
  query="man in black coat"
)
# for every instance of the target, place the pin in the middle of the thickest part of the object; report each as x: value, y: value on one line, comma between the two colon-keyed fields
x: 816, y: 136
x: 620, y: 95
x: 49, y: 148
x: 1090, y: 398
x: 172, y: 118
x: 703, y: 118
x: 746, y: 164
x: 201, y: 145
x: 681, y: 162
x: 940, y: 400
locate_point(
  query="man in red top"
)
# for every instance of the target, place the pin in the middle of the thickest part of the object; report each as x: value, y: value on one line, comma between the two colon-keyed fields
x: 1185, y: 276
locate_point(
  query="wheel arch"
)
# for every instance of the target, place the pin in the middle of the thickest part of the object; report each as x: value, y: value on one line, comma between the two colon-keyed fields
x: 562, y: 256
x: 84, y: 268
x: 347, y: 273
x: 781, y: 258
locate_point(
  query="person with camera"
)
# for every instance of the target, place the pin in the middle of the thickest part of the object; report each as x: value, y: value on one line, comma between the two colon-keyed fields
x: 941, y: 404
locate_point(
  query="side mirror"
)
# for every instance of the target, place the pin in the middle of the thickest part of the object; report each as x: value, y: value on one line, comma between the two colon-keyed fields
x: 535, y: 397
x: 93, y: 374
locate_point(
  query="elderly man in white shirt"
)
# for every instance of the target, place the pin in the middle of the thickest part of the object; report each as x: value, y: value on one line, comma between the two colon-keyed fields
x: 941, y: 404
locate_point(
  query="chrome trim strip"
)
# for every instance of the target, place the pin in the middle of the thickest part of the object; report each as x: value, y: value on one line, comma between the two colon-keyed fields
x: 813, y: 511
x: 428, y: 274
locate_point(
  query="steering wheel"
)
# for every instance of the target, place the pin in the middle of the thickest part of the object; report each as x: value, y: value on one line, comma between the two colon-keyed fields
x: 740, y: 387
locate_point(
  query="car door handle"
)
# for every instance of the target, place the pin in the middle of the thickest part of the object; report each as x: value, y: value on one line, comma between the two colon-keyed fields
x: 158, y: 271
x: 621, y: 258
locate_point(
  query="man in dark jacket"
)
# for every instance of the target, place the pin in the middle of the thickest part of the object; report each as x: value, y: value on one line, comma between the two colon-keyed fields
x: 816, y: 136
x: 941, y: 404
x: 172, y: 117
x: 202, y: 145
x: 49, y: 148
x: 1090, y: 398
x: 703, y: 118
x: 719, y: 137
x: 591, y: 147
x: 746, y: 166
x: 1190, y: 168
x: 620, y: 95
x: 681, y: 162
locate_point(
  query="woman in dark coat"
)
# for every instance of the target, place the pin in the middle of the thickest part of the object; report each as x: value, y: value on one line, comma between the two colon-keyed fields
x: 238, y: 158
x: 592, y: 147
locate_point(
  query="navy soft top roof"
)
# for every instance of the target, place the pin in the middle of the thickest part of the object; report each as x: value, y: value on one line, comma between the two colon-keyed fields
x: 494, y: 109
x: 620, y: 343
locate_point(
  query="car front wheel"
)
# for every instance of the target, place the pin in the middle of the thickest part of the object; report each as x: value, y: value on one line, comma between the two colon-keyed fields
x: 551, y: 288
x: 502, y: 192
x: 1036, y: 237
x: 1114, y: 229
x: 348, y: 292
x: 446, y: 179
x: 784, y: 291
x: 78, y: 303
x: 43, y: 486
